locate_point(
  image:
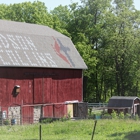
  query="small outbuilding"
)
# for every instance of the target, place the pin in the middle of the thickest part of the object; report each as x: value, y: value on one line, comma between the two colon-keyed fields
x: 127, y: 104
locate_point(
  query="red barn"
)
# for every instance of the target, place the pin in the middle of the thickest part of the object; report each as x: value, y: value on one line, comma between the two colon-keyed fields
x: 40, y: 73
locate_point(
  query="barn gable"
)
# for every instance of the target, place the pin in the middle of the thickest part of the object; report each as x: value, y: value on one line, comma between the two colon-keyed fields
x: 30, y: 45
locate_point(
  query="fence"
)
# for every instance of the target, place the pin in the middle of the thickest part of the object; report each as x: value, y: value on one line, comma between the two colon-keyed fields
x: 97, y: 105
x: 29, y: 114
x: 16, y: 120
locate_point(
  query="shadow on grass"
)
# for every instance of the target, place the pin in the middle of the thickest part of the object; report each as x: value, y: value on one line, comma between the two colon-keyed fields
x: 37, y: 139
x: 31, y: 139
x: 134, y: 135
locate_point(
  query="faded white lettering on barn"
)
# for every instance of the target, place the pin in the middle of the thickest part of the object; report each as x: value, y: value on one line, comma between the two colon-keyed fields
x: 21, y: 51
x: 49, y: 57
x: 12, y: 57
x: 30, y: 44
x: 13, y: 41
x: 4, y: 62
x: 43, y: 61
x: 36, y: 58
x: 4, y: 42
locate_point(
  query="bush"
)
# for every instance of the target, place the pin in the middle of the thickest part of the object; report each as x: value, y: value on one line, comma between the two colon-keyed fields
x: 46, y: 120
x: 114, y: 114
x: 107, y: 116
x: 127, y: 116
x: 121, y: 115
x: 6, y: 122
x: 136, y: 117
x: 91, y: 114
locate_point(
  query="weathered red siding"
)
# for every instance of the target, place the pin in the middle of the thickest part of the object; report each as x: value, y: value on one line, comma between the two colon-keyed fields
x: 40, y: 86
x: 55, y: 110
x: 60, y: 110
x: 48, y: 111
x: 27, y: 115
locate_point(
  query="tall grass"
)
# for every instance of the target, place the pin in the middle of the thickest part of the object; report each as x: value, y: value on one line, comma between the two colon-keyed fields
x: 106, y: 129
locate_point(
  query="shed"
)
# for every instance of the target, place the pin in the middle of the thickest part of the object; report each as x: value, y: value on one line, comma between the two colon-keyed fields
x: 40, y: 69
x: 127, y: 104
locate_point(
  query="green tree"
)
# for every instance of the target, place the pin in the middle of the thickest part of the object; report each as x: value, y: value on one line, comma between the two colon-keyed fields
x: 28, y: 12
x: 61, y: 19
x: 3, y: 9
x: 87, y: 23
x: 123, y: 37
x: 108, y: 35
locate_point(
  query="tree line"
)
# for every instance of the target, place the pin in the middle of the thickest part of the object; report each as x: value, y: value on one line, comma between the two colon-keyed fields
x: 106, y: 34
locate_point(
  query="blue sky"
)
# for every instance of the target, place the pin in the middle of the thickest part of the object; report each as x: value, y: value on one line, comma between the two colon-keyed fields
x: 51, y: 4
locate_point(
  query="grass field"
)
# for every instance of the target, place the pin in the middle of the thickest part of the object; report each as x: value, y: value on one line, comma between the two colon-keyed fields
x: 112, y: 129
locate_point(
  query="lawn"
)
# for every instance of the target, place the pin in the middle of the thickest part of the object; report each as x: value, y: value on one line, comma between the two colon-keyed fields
x: 112, y: 129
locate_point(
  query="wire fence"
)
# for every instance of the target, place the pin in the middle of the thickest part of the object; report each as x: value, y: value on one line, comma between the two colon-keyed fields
x: 16, y: 120
x: 29, y: 127
x: 14, y: 117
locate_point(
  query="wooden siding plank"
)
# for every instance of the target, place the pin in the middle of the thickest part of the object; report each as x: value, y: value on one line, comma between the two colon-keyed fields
x: 10, y: 90
x: 54, y: 93
x: 4, y: 95
x: 27, y: 114
x: 47, y: 89
x: 60, y: 110
x: 38, y: 90
x: 26, y: 91
x: 48, y: 111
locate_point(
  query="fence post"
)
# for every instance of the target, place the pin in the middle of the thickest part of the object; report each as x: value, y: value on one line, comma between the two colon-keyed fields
x: 1, y: 120
x: 93, y: 129
x: 40, y: 132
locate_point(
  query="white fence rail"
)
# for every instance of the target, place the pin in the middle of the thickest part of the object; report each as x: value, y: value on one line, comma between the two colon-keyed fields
x: 94, y: 105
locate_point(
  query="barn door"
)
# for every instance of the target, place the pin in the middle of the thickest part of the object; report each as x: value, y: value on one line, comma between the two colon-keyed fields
x: 80, y: 110
x: 42, y: 90
x: 38, y: 91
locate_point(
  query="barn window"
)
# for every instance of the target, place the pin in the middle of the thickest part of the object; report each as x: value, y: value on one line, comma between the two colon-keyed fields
x: 17, y: 89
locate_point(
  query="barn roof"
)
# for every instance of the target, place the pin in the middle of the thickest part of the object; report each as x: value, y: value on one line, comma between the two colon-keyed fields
x: 31, y: 45
x: 122, y: 101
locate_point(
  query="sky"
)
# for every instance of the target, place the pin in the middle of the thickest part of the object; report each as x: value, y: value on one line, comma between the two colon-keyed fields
x: 51, y: 4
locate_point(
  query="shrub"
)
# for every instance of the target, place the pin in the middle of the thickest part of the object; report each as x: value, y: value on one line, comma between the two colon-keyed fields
x: 121, y: 115
x: 127, y: 116
x: 136, y: 117
x: 107, y: 116
x: 46, y: 120
x: 114, y: 114
x: 6, y: 122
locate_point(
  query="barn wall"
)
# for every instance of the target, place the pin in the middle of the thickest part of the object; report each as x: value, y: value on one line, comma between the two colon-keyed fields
x: 39, y: 85
x: 27, y: 114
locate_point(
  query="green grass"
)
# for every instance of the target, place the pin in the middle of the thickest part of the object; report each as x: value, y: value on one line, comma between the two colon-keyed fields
x: 112, y: 129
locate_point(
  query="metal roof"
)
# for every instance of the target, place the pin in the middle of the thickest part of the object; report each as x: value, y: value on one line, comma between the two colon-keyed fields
x: 124, y: 97
x: 31, y: 45
x: 122, y: 101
